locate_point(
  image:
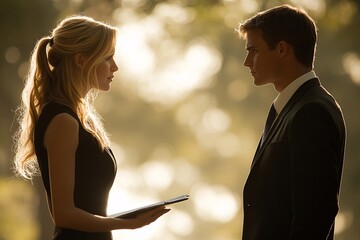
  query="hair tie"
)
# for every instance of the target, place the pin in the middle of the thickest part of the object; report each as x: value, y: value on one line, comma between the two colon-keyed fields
x: 51, y: 41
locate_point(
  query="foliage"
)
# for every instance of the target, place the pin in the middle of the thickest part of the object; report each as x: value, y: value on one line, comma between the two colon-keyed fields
x: 183, y: 113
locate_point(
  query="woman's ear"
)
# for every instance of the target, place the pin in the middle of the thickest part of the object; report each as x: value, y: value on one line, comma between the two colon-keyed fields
x: 79, y: 60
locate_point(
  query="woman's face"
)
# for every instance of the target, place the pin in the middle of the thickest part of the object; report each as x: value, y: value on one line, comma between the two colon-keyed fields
x: 105, y: 72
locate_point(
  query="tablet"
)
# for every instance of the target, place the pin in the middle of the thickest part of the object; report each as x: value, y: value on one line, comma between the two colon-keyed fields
x: 134, y: 212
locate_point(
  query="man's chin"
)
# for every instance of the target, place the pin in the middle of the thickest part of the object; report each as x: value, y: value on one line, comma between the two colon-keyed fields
x: 260, y: 82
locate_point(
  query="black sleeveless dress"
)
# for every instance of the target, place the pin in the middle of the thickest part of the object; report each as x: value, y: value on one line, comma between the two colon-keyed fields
x: 95, y: 172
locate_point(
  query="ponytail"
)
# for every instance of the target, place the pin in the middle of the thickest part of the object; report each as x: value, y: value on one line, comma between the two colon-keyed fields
x: 39, y: 77
x: 33, y: 98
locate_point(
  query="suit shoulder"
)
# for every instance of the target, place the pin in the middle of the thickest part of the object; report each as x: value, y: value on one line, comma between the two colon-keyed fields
x: 317, y: 101
x: 320, y: 97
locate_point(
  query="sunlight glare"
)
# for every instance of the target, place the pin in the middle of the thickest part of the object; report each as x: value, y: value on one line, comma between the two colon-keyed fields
x: 135, y: 57
x: 214, y: 203
x: 249, y: 6
x: 181, y: 76
x: 216, y: 120
x: 169, y: 81
x: 124, y: 198
x: 351, y: 65
x: 174, y: 12
x: 122, y: 195
x: 157, y: 175
x: 181, y: 223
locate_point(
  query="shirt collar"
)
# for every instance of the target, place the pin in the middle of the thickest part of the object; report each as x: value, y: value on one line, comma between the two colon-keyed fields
x: 285, y: 95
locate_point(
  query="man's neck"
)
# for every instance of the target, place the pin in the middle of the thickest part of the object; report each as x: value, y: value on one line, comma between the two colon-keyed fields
x: 289, y: 76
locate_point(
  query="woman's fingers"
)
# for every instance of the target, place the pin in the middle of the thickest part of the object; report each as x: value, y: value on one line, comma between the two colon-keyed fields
x: 158, y: 214
x: 150, y: 216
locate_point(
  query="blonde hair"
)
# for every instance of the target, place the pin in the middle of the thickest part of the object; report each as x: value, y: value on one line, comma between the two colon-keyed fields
x: 54, y: 77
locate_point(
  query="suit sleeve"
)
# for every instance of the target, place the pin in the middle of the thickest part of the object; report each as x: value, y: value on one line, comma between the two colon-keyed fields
x: 315, y: 170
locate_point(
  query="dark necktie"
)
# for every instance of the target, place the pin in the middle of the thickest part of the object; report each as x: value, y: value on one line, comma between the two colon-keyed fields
x: 269, y: 121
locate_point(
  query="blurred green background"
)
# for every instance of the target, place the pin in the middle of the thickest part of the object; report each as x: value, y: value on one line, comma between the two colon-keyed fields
x: 183, y: 114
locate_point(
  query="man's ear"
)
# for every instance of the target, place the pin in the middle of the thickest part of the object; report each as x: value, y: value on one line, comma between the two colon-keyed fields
x: 282, y: 48
x: 79, y: 60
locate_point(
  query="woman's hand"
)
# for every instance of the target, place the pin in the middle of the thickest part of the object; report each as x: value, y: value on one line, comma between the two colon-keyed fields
x: 145, y: 218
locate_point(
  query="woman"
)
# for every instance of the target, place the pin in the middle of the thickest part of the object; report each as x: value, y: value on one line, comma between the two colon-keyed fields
x: 62, y: 136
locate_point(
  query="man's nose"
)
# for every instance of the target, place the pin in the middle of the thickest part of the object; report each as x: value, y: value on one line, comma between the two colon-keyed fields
x: 247, y: 61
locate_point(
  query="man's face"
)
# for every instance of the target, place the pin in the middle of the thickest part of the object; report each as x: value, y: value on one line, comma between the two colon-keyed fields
x: 263, y: 63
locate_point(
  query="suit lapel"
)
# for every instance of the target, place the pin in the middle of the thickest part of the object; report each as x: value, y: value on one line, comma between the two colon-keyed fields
x: 279, y: 120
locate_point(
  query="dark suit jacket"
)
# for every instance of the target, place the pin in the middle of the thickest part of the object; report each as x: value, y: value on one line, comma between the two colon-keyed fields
x: 293, y: 186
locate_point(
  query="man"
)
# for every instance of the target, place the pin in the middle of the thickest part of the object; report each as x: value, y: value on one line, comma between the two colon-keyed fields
x: 293, y: 186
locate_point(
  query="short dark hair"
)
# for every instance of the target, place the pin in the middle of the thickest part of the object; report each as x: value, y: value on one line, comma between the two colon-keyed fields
x: 285, y: 23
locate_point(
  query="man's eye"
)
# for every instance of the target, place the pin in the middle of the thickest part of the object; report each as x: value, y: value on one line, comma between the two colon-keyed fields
x: 252, y: 51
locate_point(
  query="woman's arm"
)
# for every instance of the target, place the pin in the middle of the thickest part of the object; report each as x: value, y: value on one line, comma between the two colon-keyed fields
x: 61, y: 141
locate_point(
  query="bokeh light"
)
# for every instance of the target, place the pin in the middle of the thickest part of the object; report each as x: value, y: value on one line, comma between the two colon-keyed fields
x: 351, y: 65
x: 183, y: 114
x: 214, y: 203
x: 187, y: 68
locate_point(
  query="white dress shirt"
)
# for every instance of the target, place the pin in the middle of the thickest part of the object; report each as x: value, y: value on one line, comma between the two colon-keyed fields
x: 285, y: 95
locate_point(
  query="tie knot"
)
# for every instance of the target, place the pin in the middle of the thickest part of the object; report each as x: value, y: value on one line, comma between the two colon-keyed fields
x: 272, y: 112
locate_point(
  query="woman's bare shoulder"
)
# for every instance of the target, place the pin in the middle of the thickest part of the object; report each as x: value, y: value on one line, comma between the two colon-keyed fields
x: 63, y: 128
